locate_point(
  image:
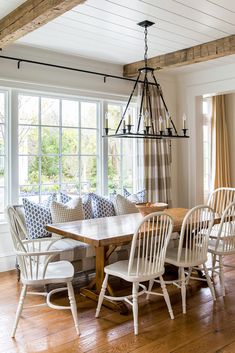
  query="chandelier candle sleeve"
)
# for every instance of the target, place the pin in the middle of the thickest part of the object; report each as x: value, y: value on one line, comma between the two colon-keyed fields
x: 106, y: 123
x: 160, y: 123
x: 184, y: 121
x: 167, y: 121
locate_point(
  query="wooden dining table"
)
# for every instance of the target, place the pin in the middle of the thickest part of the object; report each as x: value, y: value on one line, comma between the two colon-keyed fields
x: 106, y: 234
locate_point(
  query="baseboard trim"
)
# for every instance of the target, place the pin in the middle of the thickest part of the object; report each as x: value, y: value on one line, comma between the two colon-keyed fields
x: 7, y: 262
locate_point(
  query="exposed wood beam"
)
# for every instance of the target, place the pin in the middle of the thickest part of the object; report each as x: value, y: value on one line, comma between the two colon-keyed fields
x: 30, y: 15
x: 199, y: 53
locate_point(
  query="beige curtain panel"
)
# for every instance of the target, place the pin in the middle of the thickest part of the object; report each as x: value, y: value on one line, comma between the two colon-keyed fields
x: 220, y: 146
x: 157, y: 158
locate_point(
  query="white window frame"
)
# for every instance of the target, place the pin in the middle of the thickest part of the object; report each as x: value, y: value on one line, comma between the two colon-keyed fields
x: 11, y: 186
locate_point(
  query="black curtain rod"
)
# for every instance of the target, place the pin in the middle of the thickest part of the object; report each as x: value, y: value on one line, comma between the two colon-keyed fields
x: 20, y: 60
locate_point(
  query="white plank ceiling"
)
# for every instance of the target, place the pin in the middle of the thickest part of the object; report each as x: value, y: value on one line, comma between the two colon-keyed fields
x: 106, y: 30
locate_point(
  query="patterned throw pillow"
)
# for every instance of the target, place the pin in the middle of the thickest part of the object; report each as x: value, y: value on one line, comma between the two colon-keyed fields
x: 68, y: 212
x: 140, y: 196
x: 64, y: 198
x: 36, y: 217
x: 102, y: 207
x: 47, y: 202
x: 123, y: 205
x: 86, y: 203
x: 87, y: 206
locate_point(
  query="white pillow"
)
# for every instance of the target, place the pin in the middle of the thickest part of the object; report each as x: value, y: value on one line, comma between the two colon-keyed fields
x: 123, y: 206
x: 68, y: 212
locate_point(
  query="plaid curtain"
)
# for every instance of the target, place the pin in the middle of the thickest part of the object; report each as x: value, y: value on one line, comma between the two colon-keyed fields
x: 157, y: 157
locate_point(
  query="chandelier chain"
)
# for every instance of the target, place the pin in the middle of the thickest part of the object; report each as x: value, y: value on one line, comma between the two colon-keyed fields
x: 146, y: 46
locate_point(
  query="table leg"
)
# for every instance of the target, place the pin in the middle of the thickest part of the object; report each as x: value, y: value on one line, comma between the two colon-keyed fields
x: 99, y: 277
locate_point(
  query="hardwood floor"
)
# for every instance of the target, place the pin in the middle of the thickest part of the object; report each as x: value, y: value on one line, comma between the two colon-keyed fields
x: 207, y: 327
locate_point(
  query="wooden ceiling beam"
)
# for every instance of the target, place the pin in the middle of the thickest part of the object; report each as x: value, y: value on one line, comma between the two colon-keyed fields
x: 31, y: 15
x: 199, y: 53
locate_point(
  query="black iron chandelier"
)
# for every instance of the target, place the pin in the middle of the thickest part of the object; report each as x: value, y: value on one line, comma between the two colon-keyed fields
x: 152, y: 122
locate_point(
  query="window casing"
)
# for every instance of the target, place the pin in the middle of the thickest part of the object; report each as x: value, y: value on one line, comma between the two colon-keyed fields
x: 207, y: 147
x: 3, y: 152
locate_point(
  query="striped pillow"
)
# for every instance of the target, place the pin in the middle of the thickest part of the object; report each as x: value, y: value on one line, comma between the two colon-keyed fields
x: 69, y: 212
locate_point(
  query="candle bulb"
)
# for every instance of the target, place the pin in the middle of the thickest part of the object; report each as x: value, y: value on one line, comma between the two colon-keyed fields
x: 106, y: 124
x: 184, y: 121
x: 124, y: 124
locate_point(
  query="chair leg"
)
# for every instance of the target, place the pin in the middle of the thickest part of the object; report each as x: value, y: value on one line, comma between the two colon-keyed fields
x: 166, y: 297
x: 19, y: 309
x: 101, y: 296
x: 213, y: 261
x: 183, y: 289
x: 73, y: 306
x: 221, y: 275
x: 135, y: 288
x: 189, y: 274
x: 209, y: 282
x: 150, y: 288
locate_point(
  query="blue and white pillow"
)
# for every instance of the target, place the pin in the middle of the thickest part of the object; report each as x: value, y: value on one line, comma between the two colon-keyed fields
x: 140, y: 196
x: 47, y: 202
x: 86, y: 203
x: 37, y: 216
x: 87, y: 206
x: 101, y: 206
x: 64, y: 198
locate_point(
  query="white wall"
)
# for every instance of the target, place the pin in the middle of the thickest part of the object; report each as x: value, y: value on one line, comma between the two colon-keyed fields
x: 40, y: 78
x: 190, y: 88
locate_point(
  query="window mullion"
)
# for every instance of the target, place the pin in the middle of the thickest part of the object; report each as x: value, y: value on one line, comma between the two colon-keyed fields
x: 79, y: 146
x: 60, y: 144
x: 40, y: 146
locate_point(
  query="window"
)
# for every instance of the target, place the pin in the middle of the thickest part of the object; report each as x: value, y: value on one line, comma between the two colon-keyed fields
x: 57, y: 145
x: 3, y: 151
x: 207, y: 170
x: 60, y: 147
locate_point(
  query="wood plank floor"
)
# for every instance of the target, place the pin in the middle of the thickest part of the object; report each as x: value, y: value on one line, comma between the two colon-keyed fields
x: 207, y: 327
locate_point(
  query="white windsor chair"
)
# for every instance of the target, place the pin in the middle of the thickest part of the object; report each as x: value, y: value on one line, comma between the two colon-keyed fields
x: 146, y: 262
x: 222, y: 243
x: 34, y: 256
x: 192, y: 249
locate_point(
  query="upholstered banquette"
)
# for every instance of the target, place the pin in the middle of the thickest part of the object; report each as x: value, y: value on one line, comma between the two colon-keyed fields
x: 81, y: 255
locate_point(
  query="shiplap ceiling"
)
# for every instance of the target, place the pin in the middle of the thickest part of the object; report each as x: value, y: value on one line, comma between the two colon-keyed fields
x: 106, y: 30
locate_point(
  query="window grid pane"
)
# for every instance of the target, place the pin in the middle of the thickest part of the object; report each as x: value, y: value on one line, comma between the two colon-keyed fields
x: 57, y: 154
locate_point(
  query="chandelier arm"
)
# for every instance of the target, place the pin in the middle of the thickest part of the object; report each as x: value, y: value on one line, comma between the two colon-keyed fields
x: 141, y: 103
x: 128, y: 103
x: 164, y: 103
x: 150, y: 108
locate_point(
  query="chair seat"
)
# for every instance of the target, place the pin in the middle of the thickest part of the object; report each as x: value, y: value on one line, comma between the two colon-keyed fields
x: 120, y: 269
x: 57, y: 272
x: 172, y: 254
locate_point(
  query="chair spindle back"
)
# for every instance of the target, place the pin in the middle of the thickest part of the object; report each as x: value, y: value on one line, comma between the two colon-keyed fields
x: 195, y: 234
x: 149, y: 243
x: 220, y: 198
